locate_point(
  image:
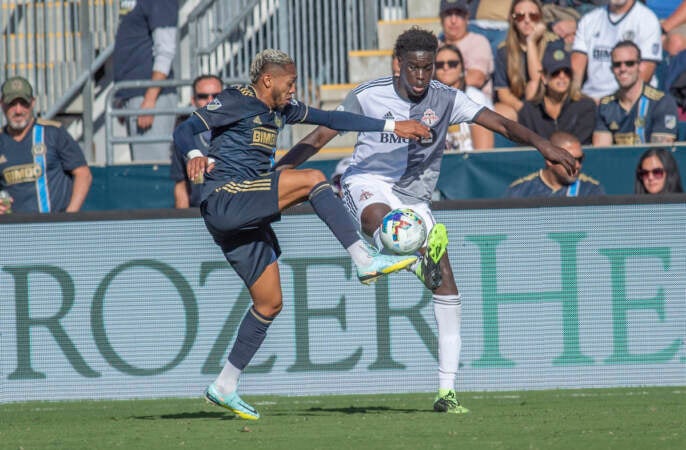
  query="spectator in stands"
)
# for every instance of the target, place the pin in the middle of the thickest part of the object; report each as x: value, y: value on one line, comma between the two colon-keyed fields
x: 462, y: 137
x: 144, y: 49
x: 657, y: 173
x: 636, y: 113
x: 600, y: 30
x: 41, y: 166
x: 554, y: 181
x: 518, y: 62
x: 490, y: 18
x: 186, y: 194
x: 561, y: 16
x: 558, y: 105
x: 674, y: 30
x: 478, y: 57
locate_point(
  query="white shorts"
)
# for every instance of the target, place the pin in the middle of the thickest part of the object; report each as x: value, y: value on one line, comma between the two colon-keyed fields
x: 362, y: 190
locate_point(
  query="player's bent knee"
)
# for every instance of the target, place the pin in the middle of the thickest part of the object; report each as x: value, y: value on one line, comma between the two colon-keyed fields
x: 314, y: 177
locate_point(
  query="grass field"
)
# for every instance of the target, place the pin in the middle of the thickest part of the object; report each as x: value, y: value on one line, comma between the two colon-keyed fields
x: 636, y: 418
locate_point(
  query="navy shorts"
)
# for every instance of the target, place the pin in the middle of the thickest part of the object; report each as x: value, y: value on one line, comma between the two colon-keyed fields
x: 238, y: 216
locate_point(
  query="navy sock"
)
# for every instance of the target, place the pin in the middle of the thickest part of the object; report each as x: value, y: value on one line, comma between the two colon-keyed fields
x: 250, y: 336
x: 332, y: 212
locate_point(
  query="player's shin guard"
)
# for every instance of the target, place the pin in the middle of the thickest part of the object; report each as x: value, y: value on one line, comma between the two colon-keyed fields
x: 448, y: 312
x: 250, y: 336
x: 332, y: 212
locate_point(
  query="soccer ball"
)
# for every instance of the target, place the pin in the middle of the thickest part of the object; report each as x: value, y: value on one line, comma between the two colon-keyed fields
x: 403, y: 231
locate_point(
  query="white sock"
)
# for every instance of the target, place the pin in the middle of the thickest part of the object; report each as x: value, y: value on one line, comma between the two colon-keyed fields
x: 227, y: 381
x: 448, y: 313
x: 359, y: 253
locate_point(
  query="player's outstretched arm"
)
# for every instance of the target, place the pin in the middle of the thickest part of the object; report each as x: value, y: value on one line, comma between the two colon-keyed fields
x: 313, y: 142
x: 306, y: 148
x: 519, y: 133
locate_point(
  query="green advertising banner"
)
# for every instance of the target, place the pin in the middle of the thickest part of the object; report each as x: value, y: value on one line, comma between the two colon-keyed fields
x: 553, y: 297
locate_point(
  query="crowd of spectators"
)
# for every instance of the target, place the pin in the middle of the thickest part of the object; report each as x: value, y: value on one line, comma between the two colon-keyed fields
x: 608, y: 72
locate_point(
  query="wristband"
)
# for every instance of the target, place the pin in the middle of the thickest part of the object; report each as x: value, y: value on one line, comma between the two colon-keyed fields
x: 389, y: 126
x: 195, y: 153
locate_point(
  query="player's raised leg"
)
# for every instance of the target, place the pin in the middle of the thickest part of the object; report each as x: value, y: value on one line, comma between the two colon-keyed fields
x: 297, y: 185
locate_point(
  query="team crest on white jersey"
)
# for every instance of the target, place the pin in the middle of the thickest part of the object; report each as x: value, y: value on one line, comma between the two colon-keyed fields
x: 429, y: 118
x: 365, y: 195
x: 629, y: 35
x: 214, y: 105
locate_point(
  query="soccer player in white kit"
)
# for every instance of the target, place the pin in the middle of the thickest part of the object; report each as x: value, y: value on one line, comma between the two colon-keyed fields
x: 388, y: 173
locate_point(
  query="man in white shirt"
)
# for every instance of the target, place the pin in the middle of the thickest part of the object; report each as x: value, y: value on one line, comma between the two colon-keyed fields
x: 599, y: 31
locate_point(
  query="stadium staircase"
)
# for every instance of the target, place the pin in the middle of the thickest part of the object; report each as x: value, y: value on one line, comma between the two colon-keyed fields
x: 364, y: 65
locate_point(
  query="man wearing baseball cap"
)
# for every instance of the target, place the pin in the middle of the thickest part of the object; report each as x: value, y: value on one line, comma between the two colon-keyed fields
x: 558, y: 104
x: 41, y: 166
x: 475, y: 48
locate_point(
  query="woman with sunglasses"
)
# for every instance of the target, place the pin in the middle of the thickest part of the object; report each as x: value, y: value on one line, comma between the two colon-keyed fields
x: 462, y: 137
x: 518, y: 62
x: 657, y: 173
x: 558, y: 104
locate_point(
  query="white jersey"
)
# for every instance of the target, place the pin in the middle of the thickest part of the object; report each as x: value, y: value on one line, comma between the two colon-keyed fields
x: 413, y: 167
x: 597, y: 34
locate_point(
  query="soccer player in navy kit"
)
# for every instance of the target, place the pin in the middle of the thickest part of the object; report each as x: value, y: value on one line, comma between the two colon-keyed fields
x: 242, y: 196
x: 388, y: 173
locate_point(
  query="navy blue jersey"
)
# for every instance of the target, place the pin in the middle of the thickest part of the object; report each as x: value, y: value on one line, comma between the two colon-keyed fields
x: 654, y: 113
x: 20, y: 171
x: 244, y: 133
x: 533, y: 185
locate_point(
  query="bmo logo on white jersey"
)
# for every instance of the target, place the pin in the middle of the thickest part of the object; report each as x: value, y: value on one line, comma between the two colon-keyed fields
x: 392, y: 138
x: 602, y: 53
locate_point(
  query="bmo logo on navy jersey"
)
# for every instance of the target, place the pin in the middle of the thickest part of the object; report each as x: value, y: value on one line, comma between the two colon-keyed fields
x: 602, y: 53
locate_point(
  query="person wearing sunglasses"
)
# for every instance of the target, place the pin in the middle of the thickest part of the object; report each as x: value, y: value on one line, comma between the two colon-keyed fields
x: 518, y: 62
x: 187, y: 194
x: 657, y: 172
x: 462, y: 137
x: 478, y: 56
x: 554, y: 182
x: 600, y: 30
x: 558, y: 104
x: 637, y: 113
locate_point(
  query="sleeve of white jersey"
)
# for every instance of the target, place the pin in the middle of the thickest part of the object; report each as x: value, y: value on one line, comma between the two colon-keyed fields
x: 464, y: 108
x: 580, y: 44
x: 650, y: 39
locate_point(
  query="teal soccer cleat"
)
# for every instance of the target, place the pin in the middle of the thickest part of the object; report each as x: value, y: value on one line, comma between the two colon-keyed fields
x: 232, y: 402
x: 446, y: 401
x: 383, y: 265
x: 427, y: 267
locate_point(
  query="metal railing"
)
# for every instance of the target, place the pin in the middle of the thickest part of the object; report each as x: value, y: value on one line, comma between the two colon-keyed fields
x: 113, y: 112
x: 318, y: 34
x: 52, y: 43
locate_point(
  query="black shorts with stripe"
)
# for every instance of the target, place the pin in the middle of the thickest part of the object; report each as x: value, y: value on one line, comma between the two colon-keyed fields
x: 238, y: 215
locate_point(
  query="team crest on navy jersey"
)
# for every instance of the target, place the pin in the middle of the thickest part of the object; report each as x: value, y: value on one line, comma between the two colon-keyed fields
x: 39, y: 149
x: 670, y: 121
x: 214, y: 105
x: 429, y: 118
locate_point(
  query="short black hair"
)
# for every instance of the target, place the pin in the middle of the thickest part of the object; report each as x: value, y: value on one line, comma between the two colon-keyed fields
x: 627, y: 43
x: 415, y: 40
